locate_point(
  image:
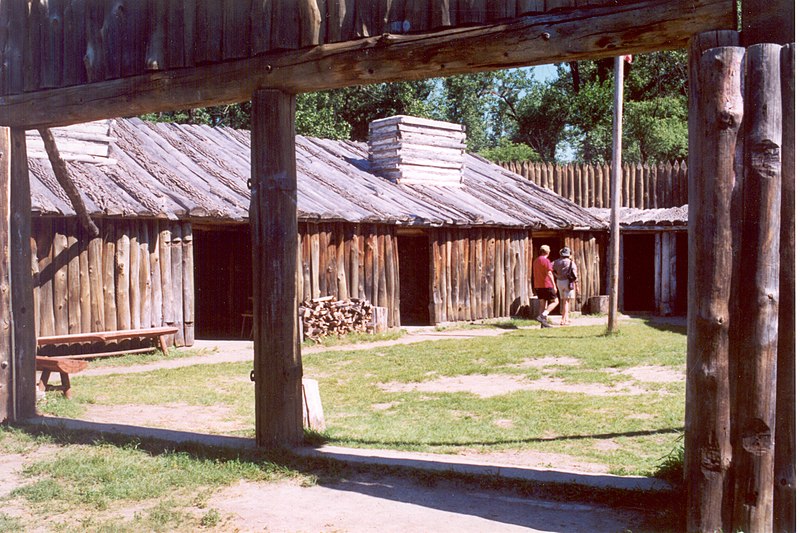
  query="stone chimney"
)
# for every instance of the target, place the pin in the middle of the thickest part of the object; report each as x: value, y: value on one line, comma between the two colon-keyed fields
x: 417, y: 151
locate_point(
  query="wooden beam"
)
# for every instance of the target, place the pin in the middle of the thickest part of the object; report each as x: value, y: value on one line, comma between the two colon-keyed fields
x: 714, y: 123
x: 758, y: 294
x: 7, y: 407
x: 767, y: 21
x: 22, y: 312
x: 589, y: 33
x: 273, y: 219
x: 785, y: 509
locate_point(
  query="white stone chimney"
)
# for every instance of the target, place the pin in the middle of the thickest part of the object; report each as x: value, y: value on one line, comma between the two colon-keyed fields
x: 417, y: 151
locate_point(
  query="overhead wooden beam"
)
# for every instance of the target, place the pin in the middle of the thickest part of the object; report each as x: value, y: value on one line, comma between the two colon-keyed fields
x: 587, y: 33
x: 273, y: 221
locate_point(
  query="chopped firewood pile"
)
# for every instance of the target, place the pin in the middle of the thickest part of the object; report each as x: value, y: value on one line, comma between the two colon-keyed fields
x: 325, y: 316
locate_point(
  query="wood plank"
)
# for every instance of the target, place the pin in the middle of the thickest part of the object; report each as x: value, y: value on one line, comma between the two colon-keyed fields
x: 106, y: 336
x: 60, y: 264
x: 73, y: 278
x: 44, y: 249
x: 590, y: 33
x: 84, y: 286
x: 21, y: 290
x: 187, y: 266
x: 273, y: 216
x: 236, y: 23
x: 135, y: 264
x: 260, y: 25
x: 145, y: 278
x: 176, y: 258
x: 96, y: 295
x: 156, y: 284
x: 122, y: 274
x: 165, y: 263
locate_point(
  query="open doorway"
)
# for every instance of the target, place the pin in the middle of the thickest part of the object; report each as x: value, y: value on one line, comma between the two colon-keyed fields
x: 415, y: 285
x: 638, y: 272
x: 223, y: 274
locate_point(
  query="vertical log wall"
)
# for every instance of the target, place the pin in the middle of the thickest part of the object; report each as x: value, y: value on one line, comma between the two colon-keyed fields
x: 113, y: 281
x: 642, y: 186
x: 735, y: 299
x: 350, y: 261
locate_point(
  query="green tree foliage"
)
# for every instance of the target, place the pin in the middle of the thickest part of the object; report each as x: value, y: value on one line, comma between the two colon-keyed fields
x: 506, y: 111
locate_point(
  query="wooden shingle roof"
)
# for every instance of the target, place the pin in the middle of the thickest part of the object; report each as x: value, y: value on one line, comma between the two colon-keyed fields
x: 197, y: 172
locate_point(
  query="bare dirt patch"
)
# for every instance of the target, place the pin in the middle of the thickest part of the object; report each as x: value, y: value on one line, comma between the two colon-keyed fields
x: 486, y: 386
x: 212, y: 419
x: 655, y: 374
x: 546, y: 362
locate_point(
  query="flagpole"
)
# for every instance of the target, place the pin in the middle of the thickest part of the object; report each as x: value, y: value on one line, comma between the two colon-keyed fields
x: 616, y: 155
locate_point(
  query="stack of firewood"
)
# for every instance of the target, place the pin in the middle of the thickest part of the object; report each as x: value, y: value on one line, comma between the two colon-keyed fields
x: 321, y: 317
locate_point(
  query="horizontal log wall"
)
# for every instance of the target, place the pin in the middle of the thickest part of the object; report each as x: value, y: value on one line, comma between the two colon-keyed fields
x: 349, y: 261
x: 643, y: 186
x: 122, y: 279
x: 60, y: 44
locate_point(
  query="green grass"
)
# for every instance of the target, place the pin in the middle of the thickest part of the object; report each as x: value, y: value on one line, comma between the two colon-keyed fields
x: 627, y: 433
x: 78, y: 484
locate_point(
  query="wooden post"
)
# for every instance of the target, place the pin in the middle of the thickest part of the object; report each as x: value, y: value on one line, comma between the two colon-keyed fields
x: 7, y: 362
x: 715, y: 115
x: 757, y: 299
x: 19, y: 324
x: 273, y: 219
x: 613, y: 248
x: 785, y: 509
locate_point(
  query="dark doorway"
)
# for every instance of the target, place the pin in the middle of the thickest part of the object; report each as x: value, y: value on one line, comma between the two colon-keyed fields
x: 638, y: 272
x: 223, y: 277
x: 415, y: 263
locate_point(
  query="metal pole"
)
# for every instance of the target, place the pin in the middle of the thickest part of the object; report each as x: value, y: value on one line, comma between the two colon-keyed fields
x: 616, y: 152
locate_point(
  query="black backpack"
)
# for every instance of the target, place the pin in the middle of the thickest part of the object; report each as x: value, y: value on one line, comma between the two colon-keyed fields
x: 571, y: 276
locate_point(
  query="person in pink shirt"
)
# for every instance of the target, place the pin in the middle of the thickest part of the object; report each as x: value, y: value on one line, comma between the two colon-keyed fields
x: 545, y: 285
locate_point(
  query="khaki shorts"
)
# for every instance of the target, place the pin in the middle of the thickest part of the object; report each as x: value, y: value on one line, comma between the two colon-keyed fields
x: 565, y: 289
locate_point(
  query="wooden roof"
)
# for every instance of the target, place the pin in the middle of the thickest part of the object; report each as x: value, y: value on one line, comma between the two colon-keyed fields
x: 631, y: 217
x: 200, y: 173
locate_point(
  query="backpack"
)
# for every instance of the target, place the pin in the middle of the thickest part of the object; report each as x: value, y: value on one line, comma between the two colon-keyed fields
x: 571, y: 275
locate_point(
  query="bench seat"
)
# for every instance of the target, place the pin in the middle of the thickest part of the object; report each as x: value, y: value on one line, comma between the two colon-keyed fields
x: 158, y: 334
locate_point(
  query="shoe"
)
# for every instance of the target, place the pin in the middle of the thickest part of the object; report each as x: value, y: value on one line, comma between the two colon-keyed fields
x: 546, y: 324
x: 541, y: 319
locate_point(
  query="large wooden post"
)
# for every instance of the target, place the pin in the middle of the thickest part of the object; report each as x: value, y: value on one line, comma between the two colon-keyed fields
x: 785, y: 509
x: 715, y: 116
x: 273, y: 219
x: 17, y: 333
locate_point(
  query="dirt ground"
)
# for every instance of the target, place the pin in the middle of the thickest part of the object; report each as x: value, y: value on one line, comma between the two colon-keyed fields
x: 386, y: 503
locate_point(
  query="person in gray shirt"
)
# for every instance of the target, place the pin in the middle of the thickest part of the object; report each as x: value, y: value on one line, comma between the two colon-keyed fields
x: 566, y: 273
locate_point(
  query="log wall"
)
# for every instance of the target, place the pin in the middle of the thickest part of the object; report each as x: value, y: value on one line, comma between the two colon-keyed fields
x: 135, y: 274
x: 643, y: 186
x: 349, y: 261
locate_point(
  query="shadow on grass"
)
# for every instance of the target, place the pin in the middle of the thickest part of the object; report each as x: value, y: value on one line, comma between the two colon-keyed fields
x: 600, y: 436
x: 653, y: 510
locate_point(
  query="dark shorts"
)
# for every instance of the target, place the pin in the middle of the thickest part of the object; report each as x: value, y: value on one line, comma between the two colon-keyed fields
x: 546, y: 294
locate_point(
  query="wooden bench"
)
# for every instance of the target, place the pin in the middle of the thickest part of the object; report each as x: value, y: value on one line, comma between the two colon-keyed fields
x: 157, y: 335
x: 65, y: 367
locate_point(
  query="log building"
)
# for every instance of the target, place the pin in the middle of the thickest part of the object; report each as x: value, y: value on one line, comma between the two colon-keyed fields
x: 438, y: 236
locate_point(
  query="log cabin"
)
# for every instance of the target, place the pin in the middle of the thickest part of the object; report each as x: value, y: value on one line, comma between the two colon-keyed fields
x: 407, y: 221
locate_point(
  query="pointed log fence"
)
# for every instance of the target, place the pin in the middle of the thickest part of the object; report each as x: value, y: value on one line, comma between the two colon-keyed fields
x: 643, y: 186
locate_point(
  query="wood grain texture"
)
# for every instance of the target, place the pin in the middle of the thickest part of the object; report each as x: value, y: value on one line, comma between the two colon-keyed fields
x: 588, y: 33
x: 713, y: 177
x: 278, y: 366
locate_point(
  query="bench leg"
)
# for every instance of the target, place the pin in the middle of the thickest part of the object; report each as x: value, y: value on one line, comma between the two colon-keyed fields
x: 45, y: 377
x: 66, y: 386
x: 162, y: 342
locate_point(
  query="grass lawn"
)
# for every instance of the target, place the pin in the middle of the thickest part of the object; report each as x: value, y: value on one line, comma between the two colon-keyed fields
x: 391, y: 397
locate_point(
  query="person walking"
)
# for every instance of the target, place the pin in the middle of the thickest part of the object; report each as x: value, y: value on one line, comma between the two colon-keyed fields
x: 566, y: 279
x: 544, y: 285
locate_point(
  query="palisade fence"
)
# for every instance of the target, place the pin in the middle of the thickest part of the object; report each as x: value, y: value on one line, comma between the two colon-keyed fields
x: 643, y: 186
